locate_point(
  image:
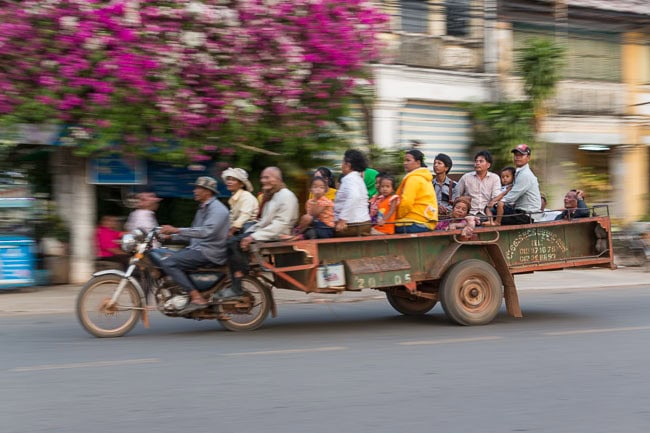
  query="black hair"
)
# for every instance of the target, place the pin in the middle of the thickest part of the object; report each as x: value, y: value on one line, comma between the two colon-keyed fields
x: 387, y: 177
x: 509, y: 168
x: 446, y: 160
x: 356, y: 159
x: 417, y: 155
x: 319, y: 178
x: 485, y: 154
x: 328, y: 175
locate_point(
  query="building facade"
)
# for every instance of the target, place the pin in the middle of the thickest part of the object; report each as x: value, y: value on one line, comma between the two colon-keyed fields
x: 597, y: 122
x: 440, y: 54
x: 443, y: 53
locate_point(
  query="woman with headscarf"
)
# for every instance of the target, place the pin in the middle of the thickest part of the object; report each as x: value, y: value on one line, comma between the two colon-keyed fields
x: 418, y: 208
x: 244, y: 207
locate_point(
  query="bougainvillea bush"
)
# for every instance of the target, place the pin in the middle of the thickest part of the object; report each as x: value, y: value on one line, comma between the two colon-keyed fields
x: 194, y: 75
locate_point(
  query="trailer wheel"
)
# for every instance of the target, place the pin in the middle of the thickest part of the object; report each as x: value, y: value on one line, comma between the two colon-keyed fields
x: 408, y: 304
x: 471, y: 293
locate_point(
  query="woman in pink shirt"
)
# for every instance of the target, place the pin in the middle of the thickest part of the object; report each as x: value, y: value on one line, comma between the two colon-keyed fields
x: 108, y: 241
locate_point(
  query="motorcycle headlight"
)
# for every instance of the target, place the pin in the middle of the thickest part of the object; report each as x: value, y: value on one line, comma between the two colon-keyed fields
x: 138, y: 235
x: 128, y: 243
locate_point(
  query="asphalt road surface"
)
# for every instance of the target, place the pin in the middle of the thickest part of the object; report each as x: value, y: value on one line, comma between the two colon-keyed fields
x: 577, y: 362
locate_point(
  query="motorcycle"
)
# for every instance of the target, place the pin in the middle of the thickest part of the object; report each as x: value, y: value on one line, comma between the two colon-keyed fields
x: 112, y: 301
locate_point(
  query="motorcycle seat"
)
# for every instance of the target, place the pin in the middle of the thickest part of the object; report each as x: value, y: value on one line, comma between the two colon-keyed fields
x: 222, y: 268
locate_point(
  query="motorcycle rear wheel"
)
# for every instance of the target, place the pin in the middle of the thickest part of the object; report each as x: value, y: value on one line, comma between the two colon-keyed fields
x: 251, y: 318
x: 97, y: 317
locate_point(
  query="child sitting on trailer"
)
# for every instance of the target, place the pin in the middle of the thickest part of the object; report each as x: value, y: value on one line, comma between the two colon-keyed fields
x: 383, y: 207
x: 318, y: 221
x: 496, y: 206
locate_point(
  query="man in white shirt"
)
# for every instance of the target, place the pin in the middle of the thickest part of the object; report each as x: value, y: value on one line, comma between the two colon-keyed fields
x: 144, y: 217
x: 278, y: 217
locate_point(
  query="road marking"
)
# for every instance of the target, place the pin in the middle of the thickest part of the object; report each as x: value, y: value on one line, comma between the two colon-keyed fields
x: 595, y: 331
x: 448, y: 340
x: 86, y: 364
x: 286, y: 351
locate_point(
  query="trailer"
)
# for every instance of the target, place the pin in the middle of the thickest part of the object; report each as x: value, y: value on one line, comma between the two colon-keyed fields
x: 470, y: 277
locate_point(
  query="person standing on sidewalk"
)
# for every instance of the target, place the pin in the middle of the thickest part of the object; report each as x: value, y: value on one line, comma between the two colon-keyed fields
x: 107, y: 238
x: 144, y: 217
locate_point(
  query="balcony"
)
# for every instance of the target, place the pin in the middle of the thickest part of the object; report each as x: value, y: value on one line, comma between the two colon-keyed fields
x: 580, y: 97
x: 425, y: 51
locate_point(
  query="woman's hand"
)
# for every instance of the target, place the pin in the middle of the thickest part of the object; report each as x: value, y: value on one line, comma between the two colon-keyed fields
x: 341, y: 225
x: 467, y: 232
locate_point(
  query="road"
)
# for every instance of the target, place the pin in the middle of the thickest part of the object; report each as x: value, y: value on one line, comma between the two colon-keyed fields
x: 577, y: 362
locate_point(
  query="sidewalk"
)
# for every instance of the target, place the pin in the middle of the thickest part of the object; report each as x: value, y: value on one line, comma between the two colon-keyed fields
x: 61, y: 298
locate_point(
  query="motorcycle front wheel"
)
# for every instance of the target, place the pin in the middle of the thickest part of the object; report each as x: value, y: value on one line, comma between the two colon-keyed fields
x: 101, y: 319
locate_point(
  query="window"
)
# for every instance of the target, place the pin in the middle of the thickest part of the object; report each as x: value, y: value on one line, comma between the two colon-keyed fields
x: 589, y: 55
x: 593, y: 58
x: 415, y: 16
x: 457, y: 17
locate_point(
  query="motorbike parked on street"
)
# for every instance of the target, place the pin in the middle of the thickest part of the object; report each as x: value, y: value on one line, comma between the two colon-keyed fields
x: 112, y: 301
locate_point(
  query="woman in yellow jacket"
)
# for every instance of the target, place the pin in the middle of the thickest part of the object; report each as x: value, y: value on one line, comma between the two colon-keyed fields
x: 418, y: 208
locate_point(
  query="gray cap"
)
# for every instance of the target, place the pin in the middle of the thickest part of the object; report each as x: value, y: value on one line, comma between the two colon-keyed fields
x: 206, y: 182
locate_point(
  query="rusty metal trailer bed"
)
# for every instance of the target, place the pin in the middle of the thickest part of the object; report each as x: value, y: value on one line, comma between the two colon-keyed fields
x: 468, y: 277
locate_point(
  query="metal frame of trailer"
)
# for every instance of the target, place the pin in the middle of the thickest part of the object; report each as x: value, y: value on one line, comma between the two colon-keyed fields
x: 468, y: 276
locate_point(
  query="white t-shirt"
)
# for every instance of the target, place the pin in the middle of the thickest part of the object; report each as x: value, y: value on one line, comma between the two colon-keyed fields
x: 351, y: 202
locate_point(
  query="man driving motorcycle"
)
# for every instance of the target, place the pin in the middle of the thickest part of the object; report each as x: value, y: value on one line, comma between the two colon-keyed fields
x: 207, y: 241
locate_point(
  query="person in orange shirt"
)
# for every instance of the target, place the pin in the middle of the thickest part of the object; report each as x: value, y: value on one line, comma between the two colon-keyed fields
x: 318, y: 222
x: 326, y: 174
x: 383, y: 207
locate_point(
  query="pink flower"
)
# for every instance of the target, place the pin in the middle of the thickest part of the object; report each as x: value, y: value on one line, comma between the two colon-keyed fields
x: 279, y: 65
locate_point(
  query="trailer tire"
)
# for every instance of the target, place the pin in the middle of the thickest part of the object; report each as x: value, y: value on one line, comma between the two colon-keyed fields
x: 471, y: 293
x: 409, y: 305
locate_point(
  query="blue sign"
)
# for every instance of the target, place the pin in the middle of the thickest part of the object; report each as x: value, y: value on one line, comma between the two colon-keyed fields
x: 167, y: 180
x: 117, y: 170
x: 16, y: 262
